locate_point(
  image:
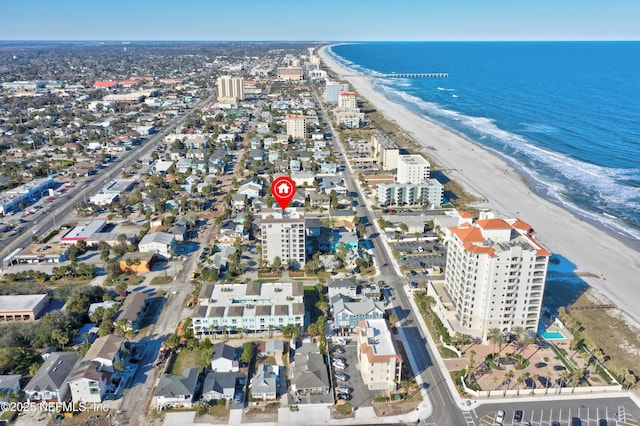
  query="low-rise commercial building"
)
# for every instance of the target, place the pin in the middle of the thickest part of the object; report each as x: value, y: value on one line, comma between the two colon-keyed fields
x: 27, y: 307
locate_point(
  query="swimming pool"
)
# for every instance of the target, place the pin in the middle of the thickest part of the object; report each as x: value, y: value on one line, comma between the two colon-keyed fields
x: 549, y: 335
x: 552, y: 335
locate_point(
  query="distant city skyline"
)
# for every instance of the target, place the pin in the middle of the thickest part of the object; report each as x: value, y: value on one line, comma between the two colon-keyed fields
x: 330, y: 20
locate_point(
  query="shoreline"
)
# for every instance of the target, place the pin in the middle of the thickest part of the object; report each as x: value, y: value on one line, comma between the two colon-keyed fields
x: 589, y: 248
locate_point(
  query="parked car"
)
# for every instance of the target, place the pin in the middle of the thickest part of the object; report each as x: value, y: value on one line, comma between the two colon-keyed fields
x: 344, y: 396
x: 517, y: 416
x: 559, y: 367
x: 340, y: 375
x: 499, y: 417
x: 338, y: 350
x: 339, y: 366
x: 339, y: 359
x: 344, y: 389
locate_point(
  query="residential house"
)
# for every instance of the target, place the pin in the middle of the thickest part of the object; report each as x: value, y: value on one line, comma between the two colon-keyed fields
x: 9, y: 383
x: 336, y: 184
x: 130, y: 311
x: 225, y: 358
x: 179, y: 232
x: 343, y: 287
x: 295, y: 165
x: 319, y: 200
x: 250, y: 189
x: 274, y: 348
x: 303, y: 178
x: 348, y: 313
x: 221, y: 385
x: 331, y: 168
x: 88, y: 383
x: 184, y: 165
x: 309, y: 372
x: 160, y: 243
x: 177, y: 391
x: 266, y: 382
x: 105, y: 350
x: 50, y: 383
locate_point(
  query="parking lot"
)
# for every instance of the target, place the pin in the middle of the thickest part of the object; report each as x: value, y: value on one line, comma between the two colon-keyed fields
x: 361, y: 396
x: 583, y: 413
x: 424, y: 261
x: 417, y: 247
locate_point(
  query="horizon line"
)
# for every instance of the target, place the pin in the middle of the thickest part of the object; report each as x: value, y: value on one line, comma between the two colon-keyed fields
x: 320, y: 41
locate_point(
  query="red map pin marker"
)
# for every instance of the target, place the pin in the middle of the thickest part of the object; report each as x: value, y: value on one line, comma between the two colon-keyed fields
x: 283, y: 189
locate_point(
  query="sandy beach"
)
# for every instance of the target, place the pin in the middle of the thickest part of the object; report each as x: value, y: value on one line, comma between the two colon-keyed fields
x: 506, y: 192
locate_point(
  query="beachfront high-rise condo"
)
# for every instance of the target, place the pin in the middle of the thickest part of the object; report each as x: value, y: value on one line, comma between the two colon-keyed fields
x: 348, y: 100
x: 230, y: 89
x: 385, y: 150
x: 283, y: 236
x: 297, y: 126
x: 332, y: 91
x: 495, y: 277
x: 412, y: 169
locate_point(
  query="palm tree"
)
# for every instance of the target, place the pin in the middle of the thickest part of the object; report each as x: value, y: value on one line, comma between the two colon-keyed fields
x: 497, y: 337
x: 576, y: 376
x: 521, y: 379
x: 508, y: 376
x: 271, y: 328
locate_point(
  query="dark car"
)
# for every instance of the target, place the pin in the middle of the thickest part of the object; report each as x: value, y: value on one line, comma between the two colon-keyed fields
x: 344, y: 396
x: 517, y: 416
x: 559, y: 367
x: 541, y: 364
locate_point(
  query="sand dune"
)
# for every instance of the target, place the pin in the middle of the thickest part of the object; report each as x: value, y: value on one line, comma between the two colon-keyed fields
x: 505, y: 191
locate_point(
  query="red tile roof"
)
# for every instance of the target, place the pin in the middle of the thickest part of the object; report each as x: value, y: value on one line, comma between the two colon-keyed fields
x: 493, y: 224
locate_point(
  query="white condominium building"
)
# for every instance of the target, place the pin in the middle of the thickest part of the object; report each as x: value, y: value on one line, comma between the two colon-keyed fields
x: 495, y: 277
x: 412, y: 169
x: 283, y: 236
x: 297, y: 126
x: 252, y: 307
x: 385, y: 150
x: 332, y: 91
x: 429, y: 192
x: 348, y: 100
x: 378, y: 354
x: 230, y: 89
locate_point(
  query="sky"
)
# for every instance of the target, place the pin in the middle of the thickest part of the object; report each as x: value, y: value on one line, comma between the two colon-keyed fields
x: 319, y: 20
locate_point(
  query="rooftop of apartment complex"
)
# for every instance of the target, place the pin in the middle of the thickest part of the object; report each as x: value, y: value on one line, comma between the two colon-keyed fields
x: 376, y: 340
x: 493, y: 236
x: 253, y: 294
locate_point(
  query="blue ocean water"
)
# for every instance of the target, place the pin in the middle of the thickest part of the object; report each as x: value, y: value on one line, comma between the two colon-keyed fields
x: 565, y: 114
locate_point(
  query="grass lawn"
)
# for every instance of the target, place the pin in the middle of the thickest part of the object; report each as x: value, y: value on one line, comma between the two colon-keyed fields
x: 188, y: 358
x: 609, y: 331
x: 162, y: 280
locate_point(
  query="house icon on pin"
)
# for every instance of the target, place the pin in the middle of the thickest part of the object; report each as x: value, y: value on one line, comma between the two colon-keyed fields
x: 283, y: 189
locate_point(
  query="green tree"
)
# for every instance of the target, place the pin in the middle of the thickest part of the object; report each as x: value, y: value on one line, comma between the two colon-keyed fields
x: 276, y: 265
x: 104, y: 255
x: 247, y: 353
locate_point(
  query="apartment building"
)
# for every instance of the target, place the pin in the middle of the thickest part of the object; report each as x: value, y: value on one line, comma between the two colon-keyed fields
x: 429, y: 192
x: 283, y: 236
x: 412, y: 169
x: 230, y: 89
x: 332, y: 91
x: 378, y: 354
x: 495, y: 277
x: 297, y: 126
x: 385, y: 150
x: 252, y: 307
x: 348, y: 100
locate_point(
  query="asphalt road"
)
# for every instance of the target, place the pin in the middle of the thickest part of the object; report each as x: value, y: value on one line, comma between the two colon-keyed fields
x: 445, y: 409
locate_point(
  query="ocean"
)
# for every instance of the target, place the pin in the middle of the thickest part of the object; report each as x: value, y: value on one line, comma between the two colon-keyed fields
x: 566, y: 115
